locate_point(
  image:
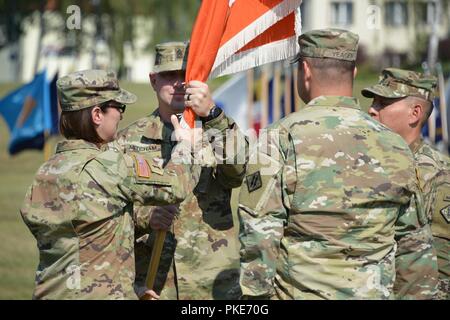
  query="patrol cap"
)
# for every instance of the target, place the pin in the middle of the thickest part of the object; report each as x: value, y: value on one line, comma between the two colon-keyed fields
x: 398, y: 83
x: 88, y: 88
x: 171, y: 56
x: 328, y: 43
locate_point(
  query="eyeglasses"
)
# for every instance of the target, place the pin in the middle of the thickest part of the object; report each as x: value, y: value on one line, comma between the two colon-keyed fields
x: 120, y: 107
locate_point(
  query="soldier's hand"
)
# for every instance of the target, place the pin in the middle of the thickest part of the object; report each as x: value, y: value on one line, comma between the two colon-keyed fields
x: 162, y: 217
x: 199, y: 98
x: 145, y: 294
x: 191, y: 136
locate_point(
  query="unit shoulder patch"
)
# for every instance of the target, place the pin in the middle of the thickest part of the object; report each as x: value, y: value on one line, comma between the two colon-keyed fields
x: 446, y: 213
x: 254, y: 182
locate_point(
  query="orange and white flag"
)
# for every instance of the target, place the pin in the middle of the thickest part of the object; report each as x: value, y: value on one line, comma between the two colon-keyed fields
x: 230, y: 36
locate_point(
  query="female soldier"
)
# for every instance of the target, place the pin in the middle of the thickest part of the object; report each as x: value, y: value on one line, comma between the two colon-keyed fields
x: 80, y: 205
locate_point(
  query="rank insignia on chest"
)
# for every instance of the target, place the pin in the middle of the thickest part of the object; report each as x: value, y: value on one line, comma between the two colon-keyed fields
x: 254, y: 182
x: 142, y: 168
x: 446, y: 213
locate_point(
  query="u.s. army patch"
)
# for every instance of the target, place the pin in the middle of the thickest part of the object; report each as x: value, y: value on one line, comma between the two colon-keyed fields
x: 446, y: 213
x: 254, y: 182
x: 142, y: 168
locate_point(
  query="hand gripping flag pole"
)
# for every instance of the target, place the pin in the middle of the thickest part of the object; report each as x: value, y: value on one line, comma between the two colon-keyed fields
x: 230, y: 36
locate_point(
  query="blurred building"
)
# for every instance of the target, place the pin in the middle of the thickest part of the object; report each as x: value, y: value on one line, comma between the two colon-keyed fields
x: 392, y: 32
x: 45, y: 42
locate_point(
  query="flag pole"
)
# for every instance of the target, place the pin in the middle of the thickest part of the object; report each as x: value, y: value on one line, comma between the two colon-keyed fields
x: 250, y: 97
x: 277, y: 92
x: 47, y: 146
x: 158, y: 246
x: 264, y: 98
x: 443, y: 105
x: 296, y: 95
x: 287, y: 91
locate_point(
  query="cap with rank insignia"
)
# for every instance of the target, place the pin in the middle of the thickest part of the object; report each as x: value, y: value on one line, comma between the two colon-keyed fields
x: 88, y: 88
x: 171, y: 56
x: 328, y: 44
x: 397, y: 83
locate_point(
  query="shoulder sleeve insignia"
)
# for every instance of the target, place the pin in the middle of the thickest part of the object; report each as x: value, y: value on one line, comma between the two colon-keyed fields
x: 446, y: 213
x: 254, y: 182
x: 142, y: 168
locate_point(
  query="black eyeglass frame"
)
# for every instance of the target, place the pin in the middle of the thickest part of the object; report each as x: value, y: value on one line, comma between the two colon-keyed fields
x: 120, y: 107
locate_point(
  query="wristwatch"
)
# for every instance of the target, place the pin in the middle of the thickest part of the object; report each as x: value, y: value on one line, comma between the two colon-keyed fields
x: 213, y: 113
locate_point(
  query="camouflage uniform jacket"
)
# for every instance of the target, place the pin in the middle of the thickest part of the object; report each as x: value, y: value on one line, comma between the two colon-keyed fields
x: 325, y: 221
x: 434, y: 178
x: 80, y: 210
x: 201, y: 253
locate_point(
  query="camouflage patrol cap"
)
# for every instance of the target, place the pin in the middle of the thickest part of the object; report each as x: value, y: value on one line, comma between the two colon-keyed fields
x: 328, y: 43
x: 397, y: 83
x: 84, y: 89
x: 171, y: 56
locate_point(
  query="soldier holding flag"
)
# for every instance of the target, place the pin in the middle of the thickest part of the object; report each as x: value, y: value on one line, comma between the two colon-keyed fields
x: 200, y: 259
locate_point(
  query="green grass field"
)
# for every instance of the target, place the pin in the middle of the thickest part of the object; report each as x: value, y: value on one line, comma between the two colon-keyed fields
x: 18, y: 253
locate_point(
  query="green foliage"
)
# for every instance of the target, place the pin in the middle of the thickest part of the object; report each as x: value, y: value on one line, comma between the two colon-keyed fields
x: 174, y: 19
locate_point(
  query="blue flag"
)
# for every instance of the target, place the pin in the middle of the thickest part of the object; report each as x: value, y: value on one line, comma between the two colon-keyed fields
x: 438, y: 123
x: 30, y: 112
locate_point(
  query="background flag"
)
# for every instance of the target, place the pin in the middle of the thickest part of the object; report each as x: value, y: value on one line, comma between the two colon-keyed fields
x: 232, y: 98
x: 245, y: 89
x: 31, y: 113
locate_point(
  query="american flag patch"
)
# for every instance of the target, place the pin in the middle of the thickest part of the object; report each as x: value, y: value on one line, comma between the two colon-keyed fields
x: 142, y: 168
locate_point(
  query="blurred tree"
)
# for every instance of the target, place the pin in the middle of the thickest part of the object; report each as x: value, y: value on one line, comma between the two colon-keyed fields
x: 113, y: 20
x: 11, y: 14
x: 174, y: 19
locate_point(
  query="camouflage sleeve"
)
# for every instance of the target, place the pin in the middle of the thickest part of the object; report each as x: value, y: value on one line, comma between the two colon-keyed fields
x: 415, y: 261
x: 441, y: 231
x: 440, y: 214
x: 231, y: 149
x: 141, y: 218
x: 264, y: 203
x: 143, y: 180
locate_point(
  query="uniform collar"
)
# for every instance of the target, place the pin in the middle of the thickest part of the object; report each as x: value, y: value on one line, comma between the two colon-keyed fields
x: 335, y: 101
x: 416, y: 145
x: 156, y: 129
x: 69, y: 145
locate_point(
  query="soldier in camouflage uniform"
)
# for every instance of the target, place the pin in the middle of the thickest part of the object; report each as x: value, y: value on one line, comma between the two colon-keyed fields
x: 200, y: 259
x: 403, y: 101
x: 332, y: 198
x: 80, y: 205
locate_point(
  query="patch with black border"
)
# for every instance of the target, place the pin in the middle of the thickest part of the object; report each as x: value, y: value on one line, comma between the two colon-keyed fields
x: 254, y: 182
x: 445, y: 212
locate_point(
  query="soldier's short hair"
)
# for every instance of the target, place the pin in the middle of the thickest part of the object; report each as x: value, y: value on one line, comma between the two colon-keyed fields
x: 79, y: 125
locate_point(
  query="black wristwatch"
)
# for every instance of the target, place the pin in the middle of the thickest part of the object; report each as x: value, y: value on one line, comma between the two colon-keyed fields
x: 213, y: 113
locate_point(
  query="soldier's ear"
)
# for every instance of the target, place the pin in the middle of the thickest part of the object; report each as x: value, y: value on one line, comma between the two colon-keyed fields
x: 417, y: 113
x: 97, y: 115
x: 306, y: 70
x: 152, y: 77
